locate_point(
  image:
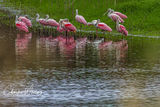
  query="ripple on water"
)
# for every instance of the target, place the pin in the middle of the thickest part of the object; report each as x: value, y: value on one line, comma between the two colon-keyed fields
x: 114, y: 72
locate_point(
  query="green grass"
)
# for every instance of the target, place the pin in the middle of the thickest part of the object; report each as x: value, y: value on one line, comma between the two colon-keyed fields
x: 143, y: 15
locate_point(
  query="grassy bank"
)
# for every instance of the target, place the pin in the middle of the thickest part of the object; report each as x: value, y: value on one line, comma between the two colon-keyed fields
x: 143, y: 16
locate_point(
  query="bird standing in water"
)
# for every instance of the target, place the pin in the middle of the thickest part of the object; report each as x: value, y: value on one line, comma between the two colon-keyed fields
x: 42, y: 21
x: 123, y: 16
x: 120, y: 28
x: 51, y: 22
x: 21, y: 25
x: 114, y: 16
x: 25, y: 20
x: 80, y: 19
x: 65, y: 25
x: 100, y: 25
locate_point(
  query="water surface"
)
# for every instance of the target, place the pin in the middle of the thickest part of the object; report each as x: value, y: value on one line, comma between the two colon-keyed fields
x: 81, y: 71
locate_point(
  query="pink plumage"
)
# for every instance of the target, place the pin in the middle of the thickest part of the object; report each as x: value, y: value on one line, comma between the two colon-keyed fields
x: 122, y: 29
x: 67, y: 45
x: 43, y: 22
x: 104, y: 44
x: 114, y: 17
x: 60, y: 29
x: 121, y: 15
x: 26, y: 21
x: 70, y: 27
x: 80, y: 18
x: 104, y: 26
x: 22, y: 26
x: 52, y: 22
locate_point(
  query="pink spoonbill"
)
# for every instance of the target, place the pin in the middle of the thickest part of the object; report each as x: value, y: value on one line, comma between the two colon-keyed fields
x: 120, y: 28
x: 123, y: 16
x: 69, y: 26
x: 65, y: 25
x: 25, y: 20
x: 80, y: 18
x: 60, y: 28
x: 51, y: 22
x: 101, y: 25
x: 114, y: 16
x: 42, y: 21
x: 21, y: 25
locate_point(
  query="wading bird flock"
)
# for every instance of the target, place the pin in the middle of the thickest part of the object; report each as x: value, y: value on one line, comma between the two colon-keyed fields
x: 23, y: 22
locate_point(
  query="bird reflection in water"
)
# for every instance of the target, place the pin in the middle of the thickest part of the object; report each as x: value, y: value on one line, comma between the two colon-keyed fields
x: 113, y: 52
x: 81, y: 46
x: 105, y: 53
x: 67, y: 46
x: 22, y: 42
x: 46, y: 47
x: 21, y: 48
x: 121, y: 48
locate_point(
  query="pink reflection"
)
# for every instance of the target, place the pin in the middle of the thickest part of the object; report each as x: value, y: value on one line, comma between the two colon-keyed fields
x: 46, y: 45
x: 109, y: 50
x: 67, y: 45
x: 81, y: 46
x: 121, y: 50
x: 105, y: 49
x: 81, y: 42
x: 22, y: 42
x: 104, y: 45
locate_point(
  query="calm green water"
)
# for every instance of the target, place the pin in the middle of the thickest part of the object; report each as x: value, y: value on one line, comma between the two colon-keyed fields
x: 41, y: 70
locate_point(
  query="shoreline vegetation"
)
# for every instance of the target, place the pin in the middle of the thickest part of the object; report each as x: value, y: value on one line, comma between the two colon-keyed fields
x: 143, y: 16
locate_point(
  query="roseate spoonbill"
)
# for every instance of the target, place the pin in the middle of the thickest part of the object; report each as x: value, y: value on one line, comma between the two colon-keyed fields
x: 25, y: 20
x: 60, y: 28
x: 42, y: 21
x: 21, y: 25
x: 114, y: 16
x: 123, y: 16
x: 69, y: 26
x: 65, y: 25
x: 101, y: 25
x: 51, y: 22
x: 80, y: 18
x: 120, y: 28
x: 67, y: 45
